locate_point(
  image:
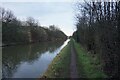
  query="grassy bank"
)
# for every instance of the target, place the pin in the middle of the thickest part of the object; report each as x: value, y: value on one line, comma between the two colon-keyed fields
x: 59, y: 68
x: 27, y: 43
x: 89, y: 66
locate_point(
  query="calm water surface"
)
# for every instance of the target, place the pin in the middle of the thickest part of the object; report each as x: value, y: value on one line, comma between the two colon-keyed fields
x: 29, y: 61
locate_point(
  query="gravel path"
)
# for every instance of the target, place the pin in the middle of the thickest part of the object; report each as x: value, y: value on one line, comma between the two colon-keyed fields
x: 73, y: 67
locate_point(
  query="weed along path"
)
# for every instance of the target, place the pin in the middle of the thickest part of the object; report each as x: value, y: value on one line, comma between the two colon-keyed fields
x: 73, y: 66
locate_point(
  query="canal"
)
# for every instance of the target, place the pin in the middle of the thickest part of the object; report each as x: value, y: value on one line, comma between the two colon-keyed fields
x: 29, y: 61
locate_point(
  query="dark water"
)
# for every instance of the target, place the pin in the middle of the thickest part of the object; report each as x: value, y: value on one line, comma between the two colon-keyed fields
x: 29, y: 61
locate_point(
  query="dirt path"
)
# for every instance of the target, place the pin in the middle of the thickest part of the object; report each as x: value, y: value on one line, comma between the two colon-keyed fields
x: 73, y: 67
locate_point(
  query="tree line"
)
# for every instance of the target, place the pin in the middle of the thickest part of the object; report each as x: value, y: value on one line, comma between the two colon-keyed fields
x: 98, y: 31
x: 15, y: 31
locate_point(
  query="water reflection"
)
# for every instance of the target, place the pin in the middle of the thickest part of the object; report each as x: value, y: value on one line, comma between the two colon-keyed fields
x: 28, y: 61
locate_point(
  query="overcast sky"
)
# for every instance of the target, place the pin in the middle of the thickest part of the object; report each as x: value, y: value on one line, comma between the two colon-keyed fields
x: 58, y: 12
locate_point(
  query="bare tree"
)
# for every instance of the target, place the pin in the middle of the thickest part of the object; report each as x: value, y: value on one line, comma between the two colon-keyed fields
x: 31, y: 22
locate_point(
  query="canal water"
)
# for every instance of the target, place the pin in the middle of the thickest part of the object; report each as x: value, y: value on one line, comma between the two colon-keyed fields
x: 29, y: 61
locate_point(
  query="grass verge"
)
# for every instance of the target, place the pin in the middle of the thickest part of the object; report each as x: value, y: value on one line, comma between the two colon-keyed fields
x: 59, y: 68
x: 88, y: 66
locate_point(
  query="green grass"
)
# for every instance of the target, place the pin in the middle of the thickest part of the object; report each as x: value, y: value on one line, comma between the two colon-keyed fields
x: 88, y: 66
x: 59, y: 68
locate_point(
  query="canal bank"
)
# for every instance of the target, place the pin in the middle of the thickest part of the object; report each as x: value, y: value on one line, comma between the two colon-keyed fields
x: 59, y: 67
x: 87, y: 66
